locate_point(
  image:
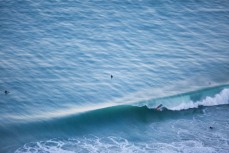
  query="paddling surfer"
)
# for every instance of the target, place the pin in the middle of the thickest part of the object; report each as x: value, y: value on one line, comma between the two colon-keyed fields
x: 6, y: 92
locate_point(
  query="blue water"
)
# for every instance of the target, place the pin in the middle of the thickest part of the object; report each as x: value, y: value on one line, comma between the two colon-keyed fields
x: 57, y: 58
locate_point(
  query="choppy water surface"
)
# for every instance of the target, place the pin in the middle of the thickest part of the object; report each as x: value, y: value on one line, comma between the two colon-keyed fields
x: 57, y: 58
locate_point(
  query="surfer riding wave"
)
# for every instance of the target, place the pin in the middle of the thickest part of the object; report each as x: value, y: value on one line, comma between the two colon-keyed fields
x: 160, y: 108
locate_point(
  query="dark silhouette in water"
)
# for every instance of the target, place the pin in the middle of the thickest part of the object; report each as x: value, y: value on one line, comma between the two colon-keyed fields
x: 111, y: 76
x: 6, y: 92
x: 160, y: 108
x: 211, y: 127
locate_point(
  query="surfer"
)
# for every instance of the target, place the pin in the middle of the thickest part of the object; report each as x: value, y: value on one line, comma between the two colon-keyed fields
x: 6, y: 92
x: 160, y: 107
x: 111, y: 76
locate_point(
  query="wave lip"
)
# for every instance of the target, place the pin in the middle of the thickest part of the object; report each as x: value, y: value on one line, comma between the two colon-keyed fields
x: 219, y: 99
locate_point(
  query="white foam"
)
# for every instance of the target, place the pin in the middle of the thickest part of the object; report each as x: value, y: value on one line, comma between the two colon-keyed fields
x: 111, y: 144
x: 50, y: 146
x: 218, y: 99
x: 87, y: 144
x: 189, y: 146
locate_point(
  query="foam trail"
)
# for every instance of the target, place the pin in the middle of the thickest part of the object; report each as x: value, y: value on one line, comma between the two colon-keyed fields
x: 219, y: 99
x: 117, y: 144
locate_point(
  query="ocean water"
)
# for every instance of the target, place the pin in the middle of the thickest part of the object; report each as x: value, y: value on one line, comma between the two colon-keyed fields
x: 57, y: 58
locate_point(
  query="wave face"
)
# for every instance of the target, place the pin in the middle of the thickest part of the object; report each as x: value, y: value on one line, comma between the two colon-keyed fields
x: 139, y: 129
x: 120, y: 128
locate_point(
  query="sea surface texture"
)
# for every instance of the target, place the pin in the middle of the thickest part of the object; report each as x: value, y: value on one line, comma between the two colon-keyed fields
x: 85, y: 76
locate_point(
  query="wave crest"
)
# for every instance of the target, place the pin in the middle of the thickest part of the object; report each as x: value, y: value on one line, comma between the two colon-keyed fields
x: 219, y: 99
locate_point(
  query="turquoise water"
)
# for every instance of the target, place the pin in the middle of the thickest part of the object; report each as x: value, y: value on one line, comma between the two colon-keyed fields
x: 57, y: 58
